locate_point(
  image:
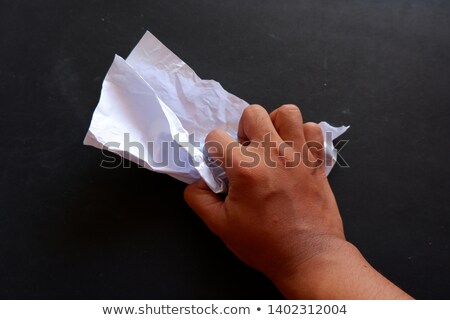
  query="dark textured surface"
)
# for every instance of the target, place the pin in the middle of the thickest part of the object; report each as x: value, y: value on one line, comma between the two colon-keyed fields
x: 69, y: 229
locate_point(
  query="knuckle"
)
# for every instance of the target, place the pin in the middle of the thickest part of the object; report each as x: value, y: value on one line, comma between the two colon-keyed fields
x: 289, y: 108
x: 253, y: 108
x: 250, y: 175
x: 313, y: 130
x: 214, y: 135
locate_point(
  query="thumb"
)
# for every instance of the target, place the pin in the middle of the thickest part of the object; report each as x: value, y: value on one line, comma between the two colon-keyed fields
x: 207, y: 204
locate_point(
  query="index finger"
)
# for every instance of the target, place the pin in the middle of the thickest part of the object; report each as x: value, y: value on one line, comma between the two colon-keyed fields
x: 255, y: 124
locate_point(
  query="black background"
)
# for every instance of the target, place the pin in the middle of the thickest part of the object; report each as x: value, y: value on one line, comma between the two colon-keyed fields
x: 70, y: 229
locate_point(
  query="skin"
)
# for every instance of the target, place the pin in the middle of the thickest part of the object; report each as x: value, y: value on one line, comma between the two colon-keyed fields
x: 283, y: 220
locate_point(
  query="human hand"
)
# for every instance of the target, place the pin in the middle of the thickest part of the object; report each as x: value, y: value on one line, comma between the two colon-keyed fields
x: 280, y: 215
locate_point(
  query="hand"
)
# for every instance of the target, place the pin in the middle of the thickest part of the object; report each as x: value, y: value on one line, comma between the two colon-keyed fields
x: 280, y: 215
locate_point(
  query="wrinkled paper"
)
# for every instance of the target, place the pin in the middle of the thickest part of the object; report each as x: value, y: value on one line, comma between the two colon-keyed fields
x: 155, y: 111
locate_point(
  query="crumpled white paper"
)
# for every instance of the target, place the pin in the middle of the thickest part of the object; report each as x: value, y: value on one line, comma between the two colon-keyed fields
x: 155, y: 111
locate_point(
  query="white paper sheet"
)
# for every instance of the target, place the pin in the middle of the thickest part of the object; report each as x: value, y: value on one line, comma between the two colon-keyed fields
x: 151, y: 102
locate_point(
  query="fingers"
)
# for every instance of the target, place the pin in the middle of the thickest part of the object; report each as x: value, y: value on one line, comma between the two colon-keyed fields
x: 255, y: 124
x: 206, y: 204
x: 288, y: 122
x: 222, y: 148
x: 314, y: 140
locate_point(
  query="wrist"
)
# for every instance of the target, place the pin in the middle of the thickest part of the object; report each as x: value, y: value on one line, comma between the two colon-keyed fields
x: 339, y: 272
x: 304, y: 280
